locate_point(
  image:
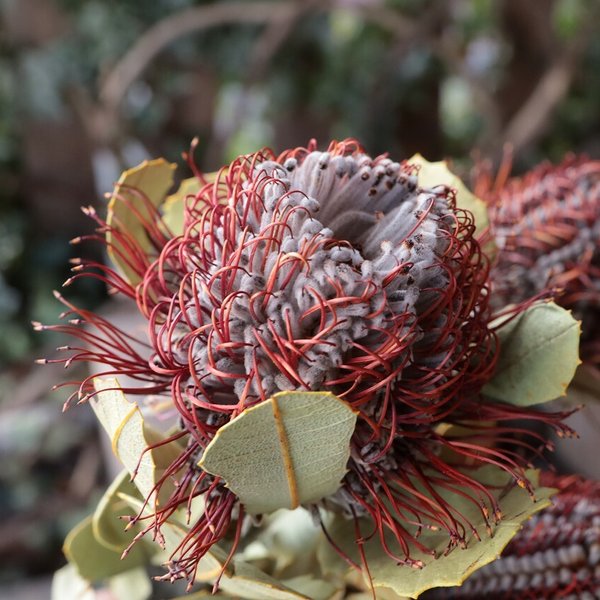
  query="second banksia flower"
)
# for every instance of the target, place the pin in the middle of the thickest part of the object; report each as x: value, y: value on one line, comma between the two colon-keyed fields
x: 313, y: 271
x: 547, y: 228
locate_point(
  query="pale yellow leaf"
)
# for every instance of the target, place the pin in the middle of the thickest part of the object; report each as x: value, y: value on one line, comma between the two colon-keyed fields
x: 130, y: 438
x: 432, y: 174
x: 174, y: 207
x: 152, y: 179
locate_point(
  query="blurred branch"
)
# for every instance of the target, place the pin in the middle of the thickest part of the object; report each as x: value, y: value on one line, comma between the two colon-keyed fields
x: 280, y: 15
x: 391, y: 20
x: 533, y: 117
x: 272, y: 38
x: 165, y: 32
x: 448, y: 50
x: 101, y: 119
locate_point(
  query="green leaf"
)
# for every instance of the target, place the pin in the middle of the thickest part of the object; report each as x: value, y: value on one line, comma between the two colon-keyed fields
x: 240, y: 579
x: 438, y: 173
x: 130, y: 438
x: 250, y: 583
x: 152, y: 179
x: 289, y: 450
x: 108, y: 528
x: 288, y: 539
x: 173, y: 532
x: 445, y: 571
x: 206, y: 594
x: 309, y: 586
x: 131, y: 585
x: 539, y: 353
x: 94, y: 561
x: 68, y: 584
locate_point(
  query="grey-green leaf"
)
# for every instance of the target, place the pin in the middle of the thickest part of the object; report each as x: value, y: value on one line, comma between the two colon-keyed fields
x: 68, y: 584
x: 289, y: 450
x: 445, y: 571
x: 93, y: 561
x: 108, y: 528
x: 250, y: 583
x: 239, y: 578
x: 130, y: 437
x: 173, y: 533
x: 131, y: 585
x: 315, y: 589
x: 148, y: 182
x: 539, y: 353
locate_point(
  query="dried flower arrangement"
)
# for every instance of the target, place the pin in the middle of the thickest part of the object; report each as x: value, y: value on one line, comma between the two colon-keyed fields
x: 328, y: 396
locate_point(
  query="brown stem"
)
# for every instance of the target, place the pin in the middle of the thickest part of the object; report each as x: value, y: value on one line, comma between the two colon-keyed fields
x: 170, y: 29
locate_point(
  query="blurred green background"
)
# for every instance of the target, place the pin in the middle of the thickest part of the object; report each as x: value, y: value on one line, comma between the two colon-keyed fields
x: 90, y: 87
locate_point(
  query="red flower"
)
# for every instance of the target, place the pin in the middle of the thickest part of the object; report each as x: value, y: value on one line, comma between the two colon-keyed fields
x: 318, y: 271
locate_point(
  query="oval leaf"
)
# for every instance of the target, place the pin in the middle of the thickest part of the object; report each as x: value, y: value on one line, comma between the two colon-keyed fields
x: 93, y: 561
x: 296, y: 445
x: 173, y: 532
x: 174, y: 206
x: 250, y: 583
x: 438, y: 173
x: 152, y: 179
x: 130, y: 438
x: 68, y: 584
x: 445, y: 571
x: 316, y: 589
x: 132, y: 585
x: 539, y: 353
x: 108, y: 527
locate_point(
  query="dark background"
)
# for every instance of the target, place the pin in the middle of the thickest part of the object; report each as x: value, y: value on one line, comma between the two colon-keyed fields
x: 90, y: 87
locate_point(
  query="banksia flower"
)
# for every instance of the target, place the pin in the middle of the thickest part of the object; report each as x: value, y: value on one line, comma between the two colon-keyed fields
x: 547, y: 228
x: 555, y: 555
x: 315, y: 271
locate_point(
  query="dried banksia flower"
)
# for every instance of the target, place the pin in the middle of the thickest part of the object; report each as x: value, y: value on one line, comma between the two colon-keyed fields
x: 547, y: 228
x: 555, y: 555
x: 315, y: 271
